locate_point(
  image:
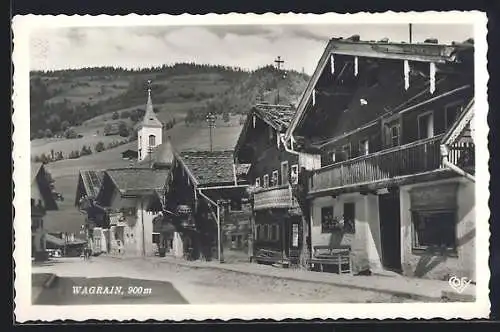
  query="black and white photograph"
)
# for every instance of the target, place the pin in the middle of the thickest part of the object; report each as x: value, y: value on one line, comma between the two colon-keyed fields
x: 324, y: 163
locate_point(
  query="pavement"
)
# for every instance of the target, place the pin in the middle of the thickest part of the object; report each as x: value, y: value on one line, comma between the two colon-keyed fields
x: 212, y: 282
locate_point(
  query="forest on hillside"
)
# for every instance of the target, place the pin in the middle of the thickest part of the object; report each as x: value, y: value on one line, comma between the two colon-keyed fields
x: 60, y: 100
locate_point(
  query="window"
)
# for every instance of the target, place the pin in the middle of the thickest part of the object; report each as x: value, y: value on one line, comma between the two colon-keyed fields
x: 394, y: 135
x: 257, y: 182
x: 274, y: 232
x: 346, y: 150
x: 272, y: 137
x: 274, y: 179
x: 265, y: 232
x: 364, y: 147
x: 425, y: 125
x: 284, y: 172
x: 294, y: 176
x: 349, y: 217
x: 327, y: 219
x: 235, y: 205
x: 434, y: 230
x: 152, y: 140
x: 265, y: 179
x: 450, y: 114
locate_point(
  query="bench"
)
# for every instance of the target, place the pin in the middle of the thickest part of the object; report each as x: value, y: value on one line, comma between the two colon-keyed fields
x: 326, y: 255
x: 268, y: 256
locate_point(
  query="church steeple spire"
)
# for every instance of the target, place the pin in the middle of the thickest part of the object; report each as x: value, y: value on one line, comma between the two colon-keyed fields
x: 150, y: 119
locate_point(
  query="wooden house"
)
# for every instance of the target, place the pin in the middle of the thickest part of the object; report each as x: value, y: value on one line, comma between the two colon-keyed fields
x: 279, y: 220
x: 205, y: 190
x: 42, y: 200
x: 396, y: 186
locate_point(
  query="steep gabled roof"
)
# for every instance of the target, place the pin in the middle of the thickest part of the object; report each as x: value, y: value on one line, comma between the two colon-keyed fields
x: 138, y: 181
x: 210, y: 168
x: 39, y: 178
x: 276, y: 116
x: 422, y: 52
x: 89, y: 182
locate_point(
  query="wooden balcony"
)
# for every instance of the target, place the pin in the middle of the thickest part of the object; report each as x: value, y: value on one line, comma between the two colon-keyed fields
x: 416, y: 158
x: 279, y: 197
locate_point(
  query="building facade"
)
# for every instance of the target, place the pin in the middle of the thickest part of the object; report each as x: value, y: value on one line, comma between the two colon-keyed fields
x: 42, y: 200
x: 279, y: 221
x: 396, y: 182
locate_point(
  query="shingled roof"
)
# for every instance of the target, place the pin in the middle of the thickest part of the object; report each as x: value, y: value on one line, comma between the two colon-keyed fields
x: 89, y: 183
x: 277, y: 116
x: 135, y: 181
x: 209, y: 168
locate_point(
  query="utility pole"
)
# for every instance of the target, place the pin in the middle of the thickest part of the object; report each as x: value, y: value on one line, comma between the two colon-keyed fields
x: 211, y: 124
x: 278, y: 63
x: 150, y: 157
x: 410, y: 32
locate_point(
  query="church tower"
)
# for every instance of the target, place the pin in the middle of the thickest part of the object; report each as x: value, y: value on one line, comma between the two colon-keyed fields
x: 149, y: 134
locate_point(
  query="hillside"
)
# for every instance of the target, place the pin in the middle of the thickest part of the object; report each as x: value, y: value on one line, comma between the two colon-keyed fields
x: 72, y: 98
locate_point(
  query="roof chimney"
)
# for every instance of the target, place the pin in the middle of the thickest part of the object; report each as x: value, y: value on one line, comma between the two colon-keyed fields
x: 431, y: 41
x: 354, y: 38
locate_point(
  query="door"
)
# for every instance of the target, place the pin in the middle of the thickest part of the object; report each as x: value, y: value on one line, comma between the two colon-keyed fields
x: 294, y: 237
x: 390, y: 230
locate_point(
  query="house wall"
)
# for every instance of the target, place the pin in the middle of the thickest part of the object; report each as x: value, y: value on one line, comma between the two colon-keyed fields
x: 365, y: 242
x: 270, y: 160
x: 38, y: 236
x: 441, y: 266
x: 132, y: 233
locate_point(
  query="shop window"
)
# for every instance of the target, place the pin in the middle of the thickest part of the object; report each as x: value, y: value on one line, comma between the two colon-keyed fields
x: 434, y: 230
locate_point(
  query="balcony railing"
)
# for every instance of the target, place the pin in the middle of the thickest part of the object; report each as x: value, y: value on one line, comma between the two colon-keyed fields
x: 280, y: 197
x: 413, y: 158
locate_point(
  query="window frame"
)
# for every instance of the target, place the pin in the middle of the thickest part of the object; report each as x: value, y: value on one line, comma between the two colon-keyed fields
x: 367, y: 152
x: 429, y: 114
x: 391, y: 136
x: 257, y: 182
x: 291, y: 172
x: 275, y: 178
x: 323, y: 208
x: 265, y: 181
x: 456, y: 104
x: 435, y: 249
x: 285, y: 178
x: 154, y: 140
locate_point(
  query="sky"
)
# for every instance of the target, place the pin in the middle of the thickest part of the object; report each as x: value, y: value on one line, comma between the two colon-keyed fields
x: 245, y: 46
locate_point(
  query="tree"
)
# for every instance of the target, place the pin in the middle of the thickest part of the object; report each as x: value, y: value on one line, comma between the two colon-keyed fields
x: 115, y: 116
x: 70, y: 133
x: 123, y: 129
x: 64, y: 125
x: 99, y: 147
x: 48, y: 133
x: 124, y: 114
x: 225, y: 117
x: 107, y: 129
